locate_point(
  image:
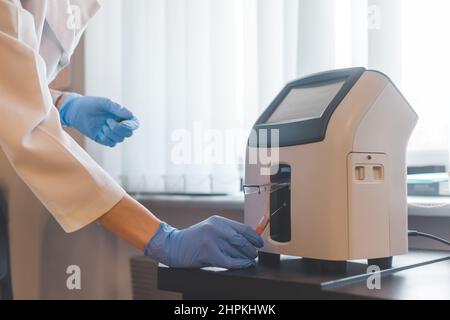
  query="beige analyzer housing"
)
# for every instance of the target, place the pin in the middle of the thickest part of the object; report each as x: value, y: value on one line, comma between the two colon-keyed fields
x: 335, y: 186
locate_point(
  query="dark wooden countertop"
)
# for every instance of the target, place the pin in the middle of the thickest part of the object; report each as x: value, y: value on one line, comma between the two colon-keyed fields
x: 291, y: 280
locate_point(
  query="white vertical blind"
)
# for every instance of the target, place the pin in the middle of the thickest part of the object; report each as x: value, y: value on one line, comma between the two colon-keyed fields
x: 317, y: 36
x: 198, y: 73
x: 426, y: 69
x: 385, y: 38
x: 359, y: 32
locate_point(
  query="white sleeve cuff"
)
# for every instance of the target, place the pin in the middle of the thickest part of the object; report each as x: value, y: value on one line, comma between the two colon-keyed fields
x: 92, y: 209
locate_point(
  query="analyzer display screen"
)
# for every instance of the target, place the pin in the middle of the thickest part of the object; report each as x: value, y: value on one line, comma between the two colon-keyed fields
x: 305, y: 103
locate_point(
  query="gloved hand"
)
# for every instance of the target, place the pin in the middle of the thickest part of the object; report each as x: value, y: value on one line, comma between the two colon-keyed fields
x: 216, y: 242
x: 99, y: 119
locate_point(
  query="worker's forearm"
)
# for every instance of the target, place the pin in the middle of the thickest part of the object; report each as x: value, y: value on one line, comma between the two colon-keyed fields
x: 132, y: 222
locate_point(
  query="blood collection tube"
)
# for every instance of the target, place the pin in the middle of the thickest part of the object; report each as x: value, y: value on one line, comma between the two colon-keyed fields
x: 262, y: 225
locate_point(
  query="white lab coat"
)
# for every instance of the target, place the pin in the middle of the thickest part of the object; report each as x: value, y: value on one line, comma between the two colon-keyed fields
x: 37, y: 39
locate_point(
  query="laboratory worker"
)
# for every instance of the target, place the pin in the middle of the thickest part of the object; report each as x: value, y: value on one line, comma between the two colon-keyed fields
x: 37, y: 39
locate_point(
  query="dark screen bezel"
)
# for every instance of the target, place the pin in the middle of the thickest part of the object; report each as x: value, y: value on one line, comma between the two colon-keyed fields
x: 308, y: 130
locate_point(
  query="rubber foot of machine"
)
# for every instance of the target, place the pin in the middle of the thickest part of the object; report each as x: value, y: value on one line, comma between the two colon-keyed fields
x: 268, y: 259
x: 382, y: 263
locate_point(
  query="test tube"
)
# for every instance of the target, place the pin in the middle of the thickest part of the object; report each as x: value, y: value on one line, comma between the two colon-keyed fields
x: 262, y: 225
x: 265, y: 220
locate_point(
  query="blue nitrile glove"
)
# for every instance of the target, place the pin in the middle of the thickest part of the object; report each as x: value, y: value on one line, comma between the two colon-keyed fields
x: 99, y: 119
x: 215, y: 242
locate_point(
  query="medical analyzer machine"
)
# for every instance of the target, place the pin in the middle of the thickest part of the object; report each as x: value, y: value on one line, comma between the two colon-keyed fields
x: 326, y: 169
